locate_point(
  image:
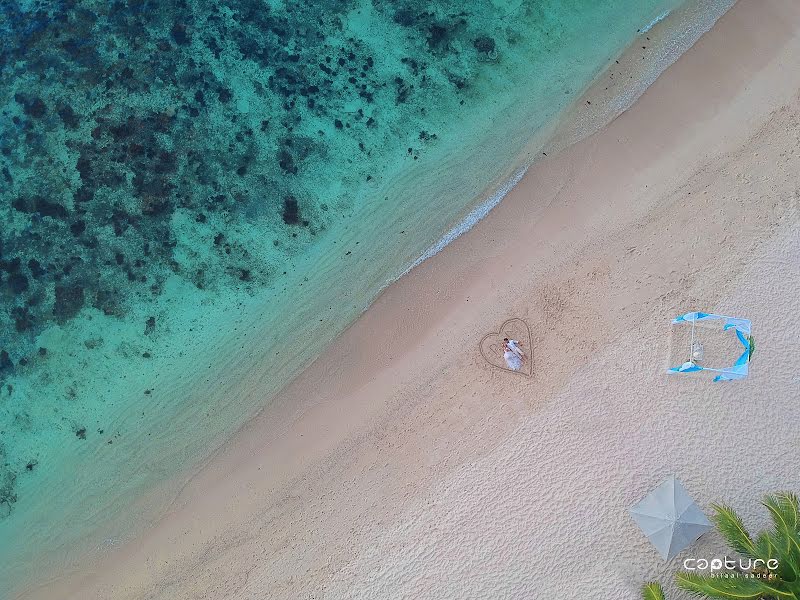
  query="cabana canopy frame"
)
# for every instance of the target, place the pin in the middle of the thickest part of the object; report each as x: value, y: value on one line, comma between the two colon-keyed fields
x: 741, y: 327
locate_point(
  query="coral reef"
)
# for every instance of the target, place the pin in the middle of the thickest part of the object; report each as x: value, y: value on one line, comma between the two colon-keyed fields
x: 139, y: 139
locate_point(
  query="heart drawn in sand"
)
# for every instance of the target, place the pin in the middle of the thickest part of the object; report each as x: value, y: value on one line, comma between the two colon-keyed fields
x: 491, y: 346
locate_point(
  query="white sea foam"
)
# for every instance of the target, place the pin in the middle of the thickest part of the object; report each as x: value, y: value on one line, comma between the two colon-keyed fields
x: 654, y: 22
x: 468, y: 222
x: 471, y: 219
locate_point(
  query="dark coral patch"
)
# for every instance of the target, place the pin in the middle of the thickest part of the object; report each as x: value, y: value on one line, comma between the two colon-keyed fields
x: 68, y: 302
x: 180, y: 35
x: 484, y: 44
x: 5, y: 361
x: 68, y: 116
x: 41, y: 206
x: 291, y: 211
x: 18, y: 283
x: 33, y: 107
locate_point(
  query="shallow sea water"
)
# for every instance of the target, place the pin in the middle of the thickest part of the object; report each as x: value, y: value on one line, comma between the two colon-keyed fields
x: 189, y: 188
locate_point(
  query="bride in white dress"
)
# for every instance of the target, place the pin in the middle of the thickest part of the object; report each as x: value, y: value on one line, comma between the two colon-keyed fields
x: 513, y: 354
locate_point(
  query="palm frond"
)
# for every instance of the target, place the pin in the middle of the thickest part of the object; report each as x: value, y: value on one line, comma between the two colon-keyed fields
x: 765, y: 546
x: 653, y: 591
x: 784, y: 507
x: 732, y: 528
x: 738, y: 588
x: 784, y: 512
x: 787, y: 553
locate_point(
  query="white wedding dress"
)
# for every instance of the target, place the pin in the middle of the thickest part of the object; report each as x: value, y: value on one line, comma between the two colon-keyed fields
x: 513, y: 361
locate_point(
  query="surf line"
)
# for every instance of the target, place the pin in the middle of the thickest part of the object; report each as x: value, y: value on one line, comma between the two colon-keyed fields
x: 470, y: 220
x: 654, y: 22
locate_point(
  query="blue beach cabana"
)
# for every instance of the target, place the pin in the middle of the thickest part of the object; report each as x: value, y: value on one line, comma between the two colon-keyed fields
x: 716, y: 344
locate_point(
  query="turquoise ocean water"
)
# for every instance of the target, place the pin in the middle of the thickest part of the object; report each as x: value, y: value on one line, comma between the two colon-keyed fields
x: 189, y: 188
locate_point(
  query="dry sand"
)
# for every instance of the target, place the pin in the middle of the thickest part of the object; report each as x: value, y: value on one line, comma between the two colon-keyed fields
x: 407, y: 467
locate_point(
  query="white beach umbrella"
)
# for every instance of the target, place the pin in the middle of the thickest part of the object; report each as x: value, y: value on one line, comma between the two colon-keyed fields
x: 670, y: 518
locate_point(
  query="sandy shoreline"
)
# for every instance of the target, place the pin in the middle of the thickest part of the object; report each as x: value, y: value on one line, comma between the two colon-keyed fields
x: 404, y: 469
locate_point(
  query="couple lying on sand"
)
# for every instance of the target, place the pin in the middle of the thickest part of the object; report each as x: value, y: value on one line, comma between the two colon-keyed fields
x: 513, y: 354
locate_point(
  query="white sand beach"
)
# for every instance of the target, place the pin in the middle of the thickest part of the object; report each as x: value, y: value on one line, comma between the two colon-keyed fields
x: 402, y: 465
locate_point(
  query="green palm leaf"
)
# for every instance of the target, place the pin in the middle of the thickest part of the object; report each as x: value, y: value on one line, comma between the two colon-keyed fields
x: 737, y: 588
x: 784, y: 512
x: 765, y: 547
x: 780, y: 543
x: 653, y: 591
x: 783, y: 508
x: 731, y: 526
x: 785, y: 551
